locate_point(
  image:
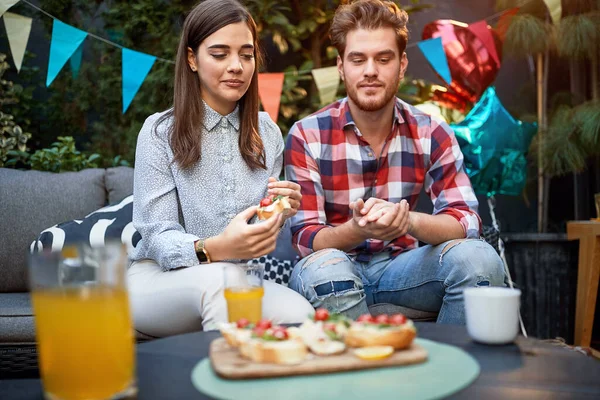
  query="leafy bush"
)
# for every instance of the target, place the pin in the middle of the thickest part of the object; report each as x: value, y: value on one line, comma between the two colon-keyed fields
x: 88, y: 107
x: 11, y: 134
x: 61, y: 157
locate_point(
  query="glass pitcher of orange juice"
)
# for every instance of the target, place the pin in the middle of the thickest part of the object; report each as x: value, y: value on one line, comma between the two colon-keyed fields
x: 244, y: 291
x: 85, y: 340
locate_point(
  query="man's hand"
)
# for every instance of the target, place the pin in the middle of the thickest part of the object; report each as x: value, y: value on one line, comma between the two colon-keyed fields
x: 286, y: 188
x: 380, y: 219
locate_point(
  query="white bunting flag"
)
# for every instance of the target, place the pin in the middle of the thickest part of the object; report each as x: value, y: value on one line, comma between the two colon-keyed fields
x: 18, y: 28
x: 327, y: 80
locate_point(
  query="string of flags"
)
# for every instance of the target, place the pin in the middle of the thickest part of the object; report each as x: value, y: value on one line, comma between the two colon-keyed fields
x: 67, y: 45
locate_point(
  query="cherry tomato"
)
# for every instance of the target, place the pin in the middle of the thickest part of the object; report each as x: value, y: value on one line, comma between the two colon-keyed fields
x: 397, y: 319
x: 382, y: 319
x: 365, y: 318
x: 259, y: 332
x: 329, y: 327
x: 242, y: 323
x: 266, y: 202
x: 264, y: 324
x: 280, y: 333
x: 321, y: 314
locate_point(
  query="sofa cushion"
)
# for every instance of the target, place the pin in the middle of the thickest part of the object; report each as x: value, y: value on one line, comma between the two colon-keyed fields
x: 110, y: 222
x: 16, y: 318
x: 32, y: 201
x: 119, y: 183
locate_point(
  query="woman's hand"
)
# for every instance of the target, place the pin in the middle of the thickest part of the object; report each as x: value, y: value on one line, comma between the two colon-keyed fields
x: 286, y: 188
x: 241, y: 240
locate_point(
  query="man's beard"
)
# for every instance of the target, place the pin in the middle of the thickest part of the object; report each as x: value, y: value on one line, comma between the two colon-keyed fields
x: 371, y: 103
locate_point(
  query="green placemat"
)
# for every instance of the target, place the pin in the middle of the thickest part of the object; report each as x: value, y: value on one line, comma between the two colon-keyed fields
x: 448, y: 370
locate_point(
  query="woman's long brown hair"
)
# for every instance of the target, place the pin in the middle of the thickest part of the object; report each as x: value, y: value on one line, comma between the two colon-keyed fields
x: 185, y: 130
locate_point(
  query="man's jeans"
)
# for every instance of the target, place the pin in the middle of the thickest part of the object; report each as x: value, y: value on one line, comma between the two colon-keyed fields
x: 429, y: 278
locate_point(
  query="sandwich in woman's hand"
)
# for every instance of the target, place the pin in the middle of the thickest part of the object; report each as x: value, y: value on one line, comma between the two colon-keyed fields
x: 395, y: 330
x: 273, y: 344
x: 273, y: 205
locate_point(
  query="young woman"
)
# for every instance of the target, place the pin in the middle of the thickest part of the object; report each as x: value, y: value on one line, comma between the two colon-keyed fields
x: 201, y: 169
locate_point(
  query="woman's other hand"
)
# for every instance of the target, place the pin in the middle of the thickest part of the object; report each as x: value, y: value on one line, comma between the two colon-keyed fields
x: 241, y: 240
x: 286, y: 188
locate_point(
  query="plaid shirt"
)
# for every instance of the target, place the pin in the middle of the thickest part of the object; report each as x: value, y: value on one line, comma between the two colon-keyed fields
x: 326, y: 155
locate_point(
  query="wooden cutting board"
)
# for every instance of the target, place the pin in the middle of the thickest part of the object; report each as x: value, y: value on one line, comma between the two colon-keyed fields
x: 228, y: 363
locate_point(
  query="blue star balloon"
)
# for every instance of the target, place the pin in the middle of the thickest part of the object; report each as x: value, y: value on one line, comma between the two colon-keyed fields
x: 495, y: 146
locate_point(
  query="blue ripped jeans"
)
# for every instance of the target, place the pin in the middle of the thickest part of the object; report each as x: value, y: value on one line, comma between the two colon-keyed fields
x: 429, y: 278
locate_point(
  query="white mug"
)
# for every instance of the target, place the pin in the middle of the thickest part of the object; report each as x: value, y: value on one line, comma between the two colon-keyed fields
x: 492, y: 314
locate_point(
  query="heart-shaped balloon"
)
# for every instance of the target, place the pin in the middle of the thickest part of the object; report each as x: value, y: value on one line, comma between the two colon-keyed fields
x: 473, y: 53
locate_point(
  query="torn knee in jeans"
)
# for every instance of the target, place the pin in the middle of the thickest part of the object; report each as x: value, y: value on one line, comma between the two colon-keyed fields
x: 335, y: 288
x: 483, y: 281
x: 322, y: 260
x: 450, y: 245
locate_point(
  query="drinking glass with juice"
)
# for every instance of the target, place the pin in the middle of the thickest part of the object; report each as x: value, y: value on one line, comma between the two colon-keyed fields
x: 83, y: 323
x: 244, y: 291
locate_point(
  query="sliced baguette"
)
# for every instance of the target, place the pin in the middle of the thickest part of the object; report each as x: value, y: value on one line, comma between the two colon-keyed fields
x: 291, y: 351
x: 327, y: 347
x: 234, y: 335
x: 363, y: 335
x: 313, y: 334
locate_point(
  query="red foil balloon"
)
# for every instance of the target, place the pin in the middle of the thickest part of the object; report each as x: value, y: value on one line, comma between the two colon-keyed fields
x: 472, y: 65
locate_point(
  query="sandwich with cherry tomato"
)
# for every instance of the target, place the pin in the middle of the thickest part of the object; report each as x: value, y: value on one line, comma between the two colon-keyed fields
x: 272, y: 205
x: 384, y: 330
x: 235, y: 333
x: 324, y: 332
x: 273, y: 344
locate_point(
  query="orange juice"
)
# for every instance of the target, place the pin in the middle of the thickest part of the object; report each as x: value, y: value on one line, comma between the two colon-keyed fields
x: 85, y: 341
x: 244, y: 302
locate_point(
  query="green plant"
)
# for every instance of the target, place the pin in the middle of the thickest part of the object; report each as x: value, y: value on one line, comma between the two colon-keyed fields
x: 88, y: 107
x: 11, y: 134
x: 62, y: 156
x: 11, y: 137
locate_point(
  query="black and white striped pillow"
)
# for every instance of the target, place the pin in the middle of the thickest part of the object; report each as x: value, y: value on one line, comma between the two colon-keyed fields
x: 110, y: 222
x: 115, y: 222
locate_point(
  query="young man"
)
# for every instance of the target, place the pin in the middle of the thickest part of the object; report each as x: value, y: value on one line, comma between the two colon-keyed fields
x: 361, y: 163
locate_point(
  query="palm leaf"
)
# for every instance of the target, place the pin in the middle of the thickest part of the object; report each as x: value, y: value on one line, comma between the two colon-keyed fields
x: 578, y: 36
x: 587, y: 119
x: 562, y: 150
x: 527, y: 35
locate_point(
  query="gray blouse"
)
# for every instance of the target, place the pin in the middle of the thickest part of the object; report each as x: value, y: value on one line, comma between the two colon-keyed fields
x: 172, y: 208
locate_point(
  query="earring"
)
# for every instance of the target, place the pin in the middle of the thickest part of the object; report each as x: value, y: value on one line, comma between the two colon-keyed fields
x: 193, y: 69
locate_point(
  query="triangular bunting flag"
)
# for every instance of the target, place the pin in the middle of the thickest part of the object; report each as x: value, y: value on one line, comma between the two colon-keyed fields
x: 18, y: 28
x: 6, y: 4
x: 555, y: 8
x: 66, y: 39
x: 135, y: 67
x: 75, y: 61
x: 483, y: 33
x: 269, y: 91
x: 504, y: 21
x: 327, y: 81
x: 434, y: 52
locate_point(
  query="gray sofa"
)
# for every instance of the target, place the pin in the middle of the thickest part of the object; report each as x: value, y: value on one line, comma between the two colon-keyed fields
x: 31, y: 201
